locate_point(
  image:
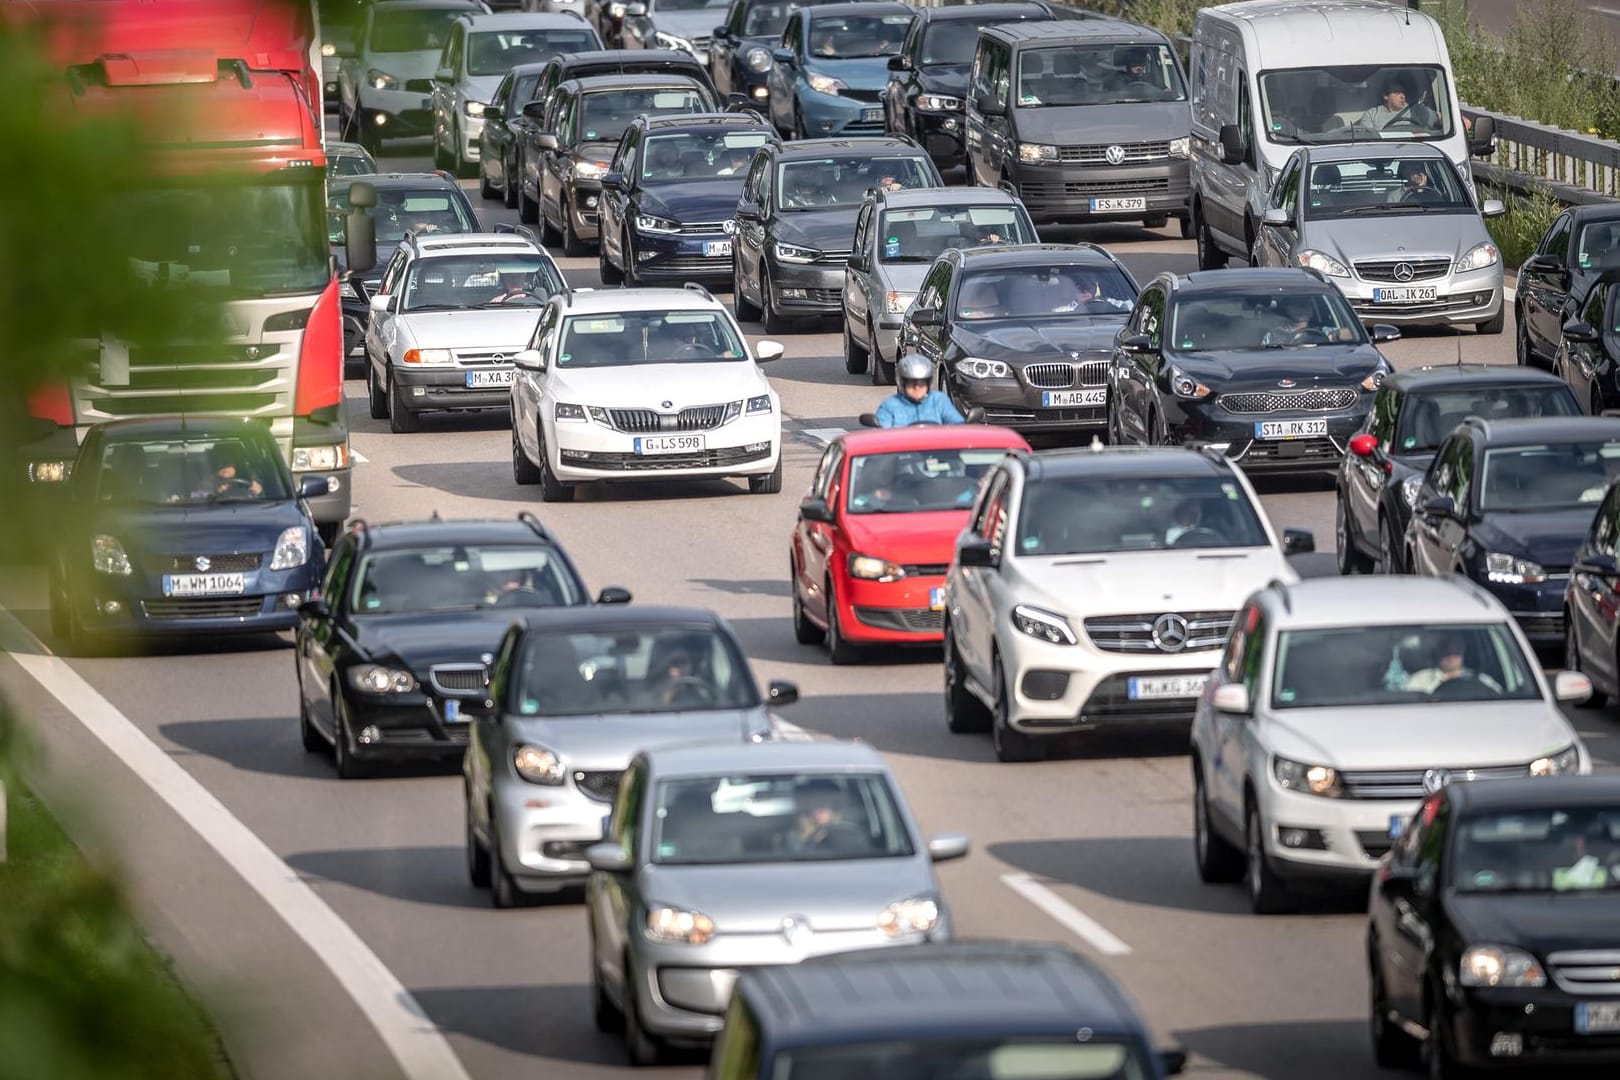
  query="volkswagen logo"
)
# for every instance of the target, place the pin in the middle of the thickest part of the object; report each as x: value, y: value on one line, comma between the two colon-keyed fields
x: 1285, y: 383
x: 1115, y: 154
x: 203, y: 562
x: 729, y: 225
x: 1435, y: 779
x: 1170, y: 632
x: 1403, y: 271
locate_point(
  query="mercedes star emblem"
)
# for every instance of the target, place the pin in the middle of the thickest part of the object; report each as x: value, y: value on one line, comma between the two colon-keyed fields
x: 203, y: 562
x: 1403, y: 271
x: 1170, y: 632
x: 1435, y: 779
x: 1115, y: 154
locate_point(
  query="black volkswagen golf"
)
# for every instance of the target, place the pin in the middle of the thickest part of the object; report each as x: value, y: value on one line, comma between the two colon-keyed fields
x: 1270, y: 366
x: 408, y: 619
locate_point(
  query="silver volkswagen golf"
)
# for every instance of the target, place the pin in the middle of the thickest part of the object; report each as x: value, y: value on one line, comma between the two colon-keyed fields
x: 724, y: 857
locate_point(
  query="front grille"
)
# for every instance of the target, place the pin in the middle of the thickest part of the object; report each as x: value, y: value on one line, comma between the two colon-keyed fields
x: 1440, y: 306
x: 702, y: 227
x: 710, y: 266
x: 1134, y: 633
x: 1056, y: 189
x: 217, y: 564
x: 1111, y: 701
x: 1056, y: 376
x: 1281, y: 451
x: 419, y: 86
x: 1374, y: 842
x: 1586, y: 971
x: 601, y: 786
x: 232, y: 607
x: 864, y: 127
x: 832, y: 258
x: 1135, y: 153
x: 706, y: 459
x: 1540, y: 624
x: 1269, y: 401
x: 1408, y: 783
x: 486, y: 356
x: 458, y: 679
x: 1024, y: 417
x: 1422, y: 269
x: 926, y: 569
x: 176, y: 401
x: 874, y: 96
x: 641, y: 421
x: 909, y: 620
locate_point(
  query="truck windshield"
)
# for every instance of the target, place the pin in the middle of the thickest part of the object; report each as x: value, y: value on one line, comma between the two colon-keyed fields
x: 1098, y: 75
x: 1349, y: 104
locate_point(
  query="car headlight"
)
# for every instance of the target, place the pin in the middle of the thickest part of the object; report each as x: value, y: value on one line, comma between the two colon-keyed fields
x: 825, y: 84
x: 652, y: 223
x: 562, y: 410
x: 1567, y: 760
x: 292, y: 548
x: 599, y: 414
x: 918, y: 915
x: 1376, y: 379
x: 757, y: 59
x: 473, y: 108
x: 1046, y: 625
x: 898, y: 302
x: 1478, y: 257
x: 975, y: 368
x: 1325, y: 264
x: 1409, y: 490
x: 1036, y: 153
x: 937, y: 103
x: 328, y: 49
x: 672, y: 41
x: 1185, y: 386
x: 590, y: 170
x: 537, y: 765
x: 616, y: 10
x: 320, y: 458
x: 872, y: 568
x: 1499, y: 965
x: 381, y: 80
x: 428, y: 356
x: 1307, y: 779
x: 378, y: 679
x: 108, y: 557
x: 49, y: 472
x: 760, y: 404
x: 1507, y: 569
x: 677, y: 926
x: 1180, y: 148
x: 348, y: 290
x: 795, y: 254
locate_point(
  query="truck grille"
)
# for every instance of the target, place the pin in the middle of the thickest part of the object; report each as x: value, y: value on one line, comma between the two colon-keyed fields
x: 1050, y: 189
x: 1587, y: 971
x: 1422, y: 269
x: 639, y: 421
x: 1290, y: 401
x: 1135, y: 153
x: 601, y: 786
x: 232, y: 378
x: 1408, y: 783
x: 1135, y: 633
x: 1056, y: 376
x: 457, y: 679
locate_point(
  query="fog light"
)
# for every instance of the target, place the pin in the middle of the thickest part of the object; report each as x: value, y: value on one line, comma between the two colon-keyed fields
x: 794, y: 294
x: 1481, y: 299
x: 826, y: 125
x: 950, y: 124
x: 590, y: 202
x: 334, y: 484
x: 292, y: 600
x: 109, y: 607
x: 1045, y: 685
x: 418, y: 391
x: 571, y: 455
x: 48, y: 472
x: 1305, y: 839
x: 368, y: 735
x: 756, y: 447
x: 646, y: 256
x: 1507, y: 1044
x: 379, y: 119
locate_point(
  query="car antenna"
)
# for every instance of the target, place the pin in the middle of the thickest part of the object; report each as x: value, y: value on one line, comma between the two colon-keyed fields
x: 1096, y: 444
x: 435, y: 517
x: 1459, y: 350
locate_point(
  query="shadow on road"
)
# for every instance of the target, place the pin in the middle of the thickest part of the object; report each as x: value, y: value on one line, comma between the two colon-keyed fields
x: 481, y: 480
x: 747, y: 586
x: 419, y: 875
x: 270, y: 745
x: 1320, y: 1049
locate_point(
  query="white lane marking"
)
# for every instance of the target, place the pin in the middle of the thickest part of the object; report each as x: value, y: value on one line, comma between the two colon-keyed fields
x: 416, y: 1043
x: 1071, y: 918
x: 358, y: 458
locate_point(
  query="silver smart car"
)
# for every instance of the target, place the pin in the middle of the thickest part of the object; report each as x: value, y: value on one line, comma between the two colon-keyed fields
x: 723, y: 857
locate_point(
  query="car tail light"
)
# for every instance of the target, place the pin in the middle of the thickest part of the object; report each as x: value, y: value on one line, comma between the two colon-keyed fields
x: 52, y: 401
x: 320, y: 356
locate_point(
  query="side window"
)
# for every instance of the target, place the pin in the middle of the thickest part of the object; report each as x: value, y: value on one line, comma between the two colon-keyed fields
x: 624, y: 159
x: 1603, y: 526
x: 736, y: 1054
x: 1593, y: 315
x: 767, y: 172
x: 393, y: 273
x: 1254, y: 651
x: 451, y: 57
x: 979, y: 77
x: 1386, y: 407
x: 992, y: 505
x: 625, y: 828
x: 543, y: 332
x: 1245, y: 121
x: 1557, y: 239
x: 824, y: 471
x: 500, y: 673
x: 1000, y: 74
x: 863, y: 231
x: 1428, y: 845
x: 1440, y: 473
x: 504, y: 91
x: 1237, y: 645
x: 337, y: 573
x: 791, y: 34
x: 1285, y: 196
x: 1149, y: 318
x: 1462, y: 472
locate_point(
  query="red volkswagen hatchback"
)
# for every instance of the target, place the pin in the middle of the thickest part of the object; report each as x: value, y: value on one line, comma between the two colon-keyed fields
x: 876, y: 532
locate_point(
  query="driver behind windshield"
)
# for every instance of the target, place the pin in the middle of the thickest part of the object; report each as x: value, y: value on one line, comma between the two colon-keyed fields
x: 1398, y: 108
x: 514, y: 286
x: 1301, y: 324
x: 1449, y: 662
x: 230, y: 474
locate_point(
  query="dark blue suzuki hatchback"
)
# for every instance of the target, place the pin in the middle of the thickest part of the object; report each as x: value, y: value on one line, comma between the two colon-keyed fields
x: 182, y: 526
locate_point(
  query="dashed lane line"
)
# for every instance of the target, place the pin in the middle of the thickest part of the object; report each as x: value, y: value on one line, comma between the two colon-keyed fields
x: 1067, y: 915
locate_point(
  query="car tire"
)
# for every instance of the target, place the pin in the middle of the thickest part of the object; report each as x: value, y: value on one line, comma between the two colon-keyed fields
x: 529, y: 214
x: 314, y: 742
x: 1494, y: 324
x: 1349, y: 557
x: 839, y: 648
x: 348, y: 766
x: 1219, y: 861
x: 882, y: 370
x: 478, y: 865
x: 610, y: 274
x: 1392, y: 1047
x: 1210, y: 257
x: 572, y: 245
x: 856, y: 357
x: 1010, y: 745
x: 741, y: 307
x: 552, y: 489
x: 503, y: 891
x: 376, y: 399
x: 1521, y: 342
x: 769, y: 484
x: 805, y: 632
x: 769, y: 320
x: 441, y: 158
x: 524, y: 471
x: 1572, y: 662
x: 641, y: 1046
x: 510, y: 182
x: 1186, y: 226
x: 964, y: 713
x: 485, y: 188
x: 401, y: 421
x: 1439, y: 1059
x: 1268, y: 894
x: 604, y: 1014
x: 1389, y: 549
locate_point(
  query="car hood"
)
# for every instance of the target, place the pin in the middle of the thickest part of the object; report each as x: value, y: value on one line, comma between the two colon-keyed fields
x: 827, y: 229
x: 843, y: 894
x: 683, y: 384
x: 1043, y: 339
x: 598, y: 150
x: 481, y: 87
x: 1547, y: 538
x: 1103, y: 124
x: 608, y: 742
x: 949, y: 79
x: 1457, y: 735
x: 1319, y: 365
x: 694, y: 200
x: 903, y: 277
x: 225, y: 528
x: 420, y: 64
x: 472, y: 328
x: 442, y: 637
x: 1397, y: 235
x: 1541, y: 922
x: 1413, y: 463
x: 861, y: 73
x: 925, y: 536
x: 1208, y: 579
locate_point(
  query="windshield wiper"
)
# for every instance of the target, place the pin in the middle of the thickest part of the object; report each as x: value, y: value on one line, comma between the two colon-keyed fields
x: 1384, y: 208
x: 436, y: 307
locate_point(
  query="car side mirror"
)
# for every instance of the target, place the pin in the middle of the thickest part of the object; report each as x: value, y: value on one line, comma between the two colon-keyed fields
x: 635, y: 11
x: 378, y: 302
x: 314, y: 608
x: 613, y: 594
x: 359, y: 239
x: 870, y: 420
x: 781, y: 692
x: 494, y: 112
x: 747, y: 212
x: 989, y: 106
x: 313, y: 487
x: 1540, y: 264
x: 816, y: 510
x: 766, y: 351
x: 1576, y: 330
x: 614, y: 181
x: 529, y: 360
x: 1232, y: 698
x: 1382, y: 332
x: 1277, y: 216
x: 362, y: 194
x: 925, y: 316
x: 1492, y: 208
x: 1364, y: 445
x: 546, y: 140
x: 721, y: 33
x: 1482, y: 140
x: 535, y: 110
x: 1600, y: 564
x: 899, y: 63
x: 1571, y: 686
x: 856, y: 261
x: 1298, y: 542
x: 1234, y: 149
x: 484, y: 708
x: 976, y: 552
x: 1440, y: 506
x: 782, y: 56
x: 947, y: 846
x: 1397, y: 882
x: 609, y: 858
x: 974, y: 415
x: 507, y: 227
x: 1136, y: 343
x: 1173, y: 1061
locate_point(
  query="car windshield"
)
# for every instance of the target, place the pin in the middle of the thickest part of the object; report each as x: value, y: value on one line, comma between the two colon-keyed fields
x: 349, y: 164
x: 470, y: 281
x: 952, y: 41
x: 1098, y: 75
x: 1428, y: 417
x: 769, y: 19
x: 1350, y: 104
x: 462, y: 577
x: 923, y: 234
x: 648, y: 337
x: 1231, y: 321
x: 1039, y: 292
x: 1098, y: 515
x: 819, y: 183
x: 700, y: 155
x: 848, y: 37
x: 687, y: 5
x: 401, y: 210
x: 777, y: 818
x: 192, y: 470
x: 604, y: 114
x: 1358, y: 666
x: 946, y: 1058
x: 633, y: 670
x: 1563, y: 849
x: 495, y: 52
x: 411, y: 29
x: 1369, y: 187
x: 1557, y: 476
x: 909, y: 481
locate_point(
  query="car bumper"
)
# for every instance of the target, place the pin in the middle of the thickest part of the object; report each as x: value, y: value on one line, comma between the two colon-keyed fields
x: 544, y: 832
x: 908, y: 611
x: 583, y: 452
x: 1538, y: 609
x: 405, y: 112
x: 941, y: 135
x: 807, y: 288
x: 832, y: 114
x: 1542, y: 1018
x: 1071, y: 193
x: 584, y: 198
x: 682, y: 256
x: 433, y: 389
x: 135, y: 605
x: 1014, y: 403
x: 1237, y: 434
x: 1342, y: 838
x: 1472, y: 297
x: 1058, y: 689
x: 405, y: 727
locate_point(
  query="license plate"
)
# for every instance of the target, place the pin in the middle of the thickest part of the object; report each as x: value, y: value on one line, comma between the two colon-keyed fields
x: 668, y: 444
x: 716, y: 248
x: 1289, y: 429
x: 1146, y: 688
x: 476, y: 379
x: 1592, y: 1017
x: 1105, y: 205
x: 936, y: 599
x: 1052, y: 398
x: 1406, y: 294
x: 204, y: 584
x: 871, y: 116
x: 452, y: 711
x: 1397, y: 824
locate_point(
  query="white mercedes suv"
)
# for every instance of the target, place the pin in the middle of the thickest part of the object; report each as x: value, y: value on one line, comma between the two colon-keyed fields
x: 1094, y: 588
x: 1341, y: 703
x: 643, y: 384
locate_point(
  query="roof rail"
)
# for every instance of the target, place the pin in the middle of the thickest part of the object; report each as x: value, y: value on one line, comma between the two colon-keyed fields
x: 692, y: 286
x: 528, y: 518
x: 1282, y: 588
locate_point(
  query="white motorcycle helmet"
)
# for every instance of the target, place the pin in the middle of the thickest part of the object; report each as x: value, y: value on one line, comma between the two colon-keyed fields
x: 914, y: 367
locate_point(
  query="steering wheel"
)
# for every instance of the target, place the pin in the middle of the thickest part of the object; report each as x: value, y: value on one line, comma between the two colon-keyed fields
x: 1461, y: 687
x: 693, y: 351
x: 1198, y: 536
x: 235, y: 483
x: 523, y: 596
x: 689, y: 689
x: 1391, y: 121
x: 1418, y: 195
x: 1311, y: 335
x: 1139, y: 87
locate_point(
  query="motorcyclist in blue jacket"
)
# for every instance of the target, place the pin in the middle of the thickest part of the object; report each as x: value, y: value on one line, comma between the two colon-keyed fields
x: 914, y: 402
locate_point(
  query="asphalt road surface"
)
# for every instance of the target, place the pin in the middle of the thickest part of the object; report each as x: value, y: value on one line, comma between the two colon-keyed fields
x: 1093, y: 849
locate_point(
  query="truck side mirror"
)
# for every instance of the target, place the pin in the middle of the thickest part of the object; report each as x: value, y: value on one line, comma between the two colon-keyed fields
x: 360, y: 239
